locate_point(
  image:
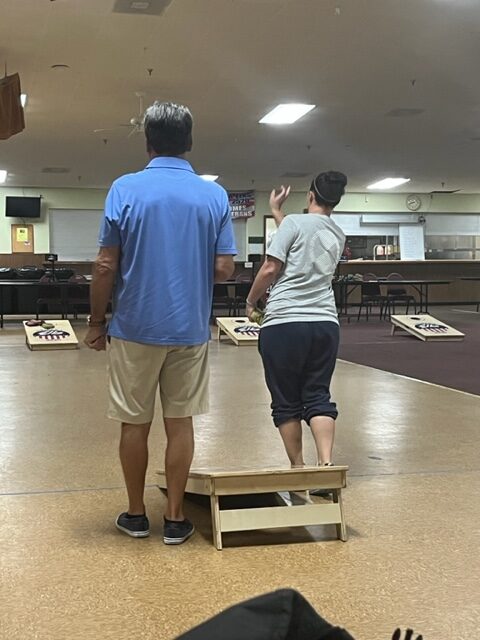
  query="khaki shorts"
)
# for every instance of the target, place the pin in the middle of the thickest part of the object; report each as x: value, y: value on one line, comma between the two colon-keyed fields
x: 137, y: 370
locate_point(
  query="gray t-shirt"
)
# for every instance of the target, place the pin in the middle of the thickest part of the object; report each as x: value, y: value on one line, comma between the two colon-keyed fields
x: 310, y: 246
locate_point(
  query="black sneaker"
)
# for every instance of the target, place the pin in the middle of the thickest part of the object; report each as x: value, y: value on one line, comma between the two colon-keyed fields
x: 135, y: 526
x: 175, y: 532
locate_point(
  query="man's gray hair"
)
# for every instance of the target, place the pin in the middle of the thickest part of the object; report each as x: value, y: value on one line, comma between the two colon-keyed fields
x: 168, y: 128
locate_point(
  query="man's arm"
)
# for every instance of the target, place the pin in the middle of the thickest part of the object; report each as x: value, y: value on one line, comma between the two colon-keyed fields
x: 224, y: 268
x: 104, y: 274
x: 103, y: 280
x: 266, y: 276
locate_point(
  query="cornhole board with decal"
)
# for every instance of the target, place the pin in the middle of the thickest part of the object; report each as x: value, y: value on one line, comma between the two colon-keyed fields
x: 61, y: 336
x: 426, y: 328
x: 240, y: 330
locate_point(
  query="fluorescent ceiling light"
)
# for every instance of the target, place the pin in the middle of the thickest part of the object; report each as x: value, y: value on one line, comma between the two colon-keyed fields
x: 3, y: 176
x: 140, y: 6
x: 286, y: 113
x: 23, y: 99
x: 388, y: 183
x: 209, y: 178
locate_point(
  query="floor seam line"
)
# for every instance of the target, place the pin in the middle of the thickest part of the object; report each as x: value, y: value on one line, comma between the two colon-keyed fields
x: 153, y: 486
x: 40, y: 492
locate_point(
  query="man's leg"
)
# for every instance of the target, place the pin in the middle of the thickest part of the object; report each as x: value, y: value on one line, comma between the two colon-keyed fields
x: 134, y: 459
x: 134, y: 371
x: 178, y: 458
x: 184, y: 393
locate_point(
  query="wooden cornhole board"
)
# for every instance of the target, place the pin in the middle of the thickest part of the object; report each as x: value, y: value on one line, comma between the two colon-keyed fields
x: 426, y: 327
x: 219, y: 482
x: 62, y: 336
x: 240, y: 330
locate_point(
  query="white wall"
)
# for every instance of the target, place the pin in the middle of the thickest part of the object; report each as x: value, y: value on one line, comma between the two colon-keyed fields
x: 354, y: 202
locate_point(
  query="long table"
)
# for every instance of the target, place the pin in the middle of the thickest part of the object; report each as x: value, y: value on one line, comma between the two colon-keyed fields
x: 61, y: 285
x: 421, y: 287
x: 65, y: 285
x: 346, y: 289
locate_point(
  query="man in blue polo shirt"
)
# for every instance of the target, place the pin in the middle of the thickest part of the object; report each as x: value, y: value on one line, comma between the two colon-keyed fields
x: 166, y: 237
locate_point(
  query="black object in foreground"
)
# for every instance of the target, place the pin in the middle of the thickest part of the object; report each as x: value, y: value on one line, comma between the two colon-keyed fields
x: 281, y: 615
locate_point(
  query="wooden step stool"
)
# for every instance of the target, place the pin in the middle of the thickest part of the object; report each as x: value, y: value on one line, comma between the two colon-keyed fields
x: 219, y: 482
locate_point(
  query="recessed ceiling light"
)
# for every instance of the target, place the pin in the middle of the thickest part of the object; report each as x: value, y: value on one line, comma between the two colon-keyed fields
x: 404, y: 113
x: 286, y: 113
x: 388, y: 183
x: 295, y: 174
x: 208, y: 177
x: 3, y: 176
x: 141, y: 7
x: 23, y: 100
x: 57, y: 170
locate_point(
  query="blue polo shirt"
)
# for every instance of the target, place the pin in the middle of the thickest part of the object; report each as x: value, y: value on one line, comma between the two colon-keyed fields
x: 169, y: 224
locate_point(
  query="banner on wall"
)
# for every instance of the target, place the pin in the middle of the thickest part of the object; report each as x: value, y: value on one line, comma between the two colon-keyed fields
x: 242, y: 204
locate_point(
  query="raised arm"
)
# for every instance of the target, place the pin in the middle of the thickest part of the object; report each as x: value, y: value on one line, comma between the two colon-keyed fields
x: 277, y: 198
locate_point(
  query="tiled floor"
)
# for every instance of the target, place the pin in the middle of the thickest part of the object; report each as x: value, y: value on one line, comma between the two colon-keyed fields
x: 412, y: 507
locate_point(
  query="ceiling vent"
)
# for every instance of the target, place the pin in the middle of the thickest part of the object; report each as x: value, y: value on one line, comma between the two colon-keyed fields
x: 294, y: 174
x: 404, y: 113
x: 55, y: 170
x: 141, y: 7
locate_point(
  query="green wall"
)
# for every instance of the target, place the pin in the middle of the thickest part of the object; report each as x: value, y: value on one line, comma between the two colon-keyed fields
x: 352, y: 202
x: 52, y: 198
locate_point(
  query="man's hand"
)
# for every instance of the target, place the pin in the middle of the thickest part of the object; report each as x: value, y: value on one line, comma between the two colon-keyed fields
x: 277, y: 198
x: 96, y: 338
x: 408, y: 635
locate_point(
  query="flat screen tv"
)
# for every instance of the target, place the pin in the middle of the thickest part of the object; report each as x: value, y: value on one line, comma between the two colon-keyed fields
x: 22, y: 207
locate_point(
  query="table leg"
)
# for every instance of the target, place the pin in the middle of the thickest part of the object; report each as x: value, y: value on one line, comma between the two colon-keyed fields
x: 64, y: 301
x: 341, y: 526
x: 421, y: 294
x: 216, y: 528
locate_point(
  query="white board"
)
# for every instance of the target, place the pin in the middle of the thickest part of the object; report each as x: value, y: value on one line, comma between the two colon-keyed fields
x: 74, y: 233
x: 412, y: 242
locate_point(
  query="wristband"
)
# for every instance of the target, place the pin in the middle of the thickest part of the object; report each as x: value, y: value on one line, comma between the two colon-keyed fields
x: 95, y: 323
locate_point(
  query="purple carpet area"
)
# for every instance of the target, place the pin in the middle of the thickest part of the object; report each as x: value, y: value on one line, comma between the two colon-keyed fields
x: 451, y: 364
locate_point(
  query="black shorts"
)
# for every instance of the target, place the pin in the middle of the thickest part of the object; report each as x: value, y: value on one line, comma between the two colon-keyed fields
x: 299, y: 359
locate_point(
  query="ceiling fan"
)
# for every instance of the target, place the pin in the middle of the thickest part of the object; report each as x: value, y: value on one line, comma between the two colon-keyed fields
x: 136, y: 122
